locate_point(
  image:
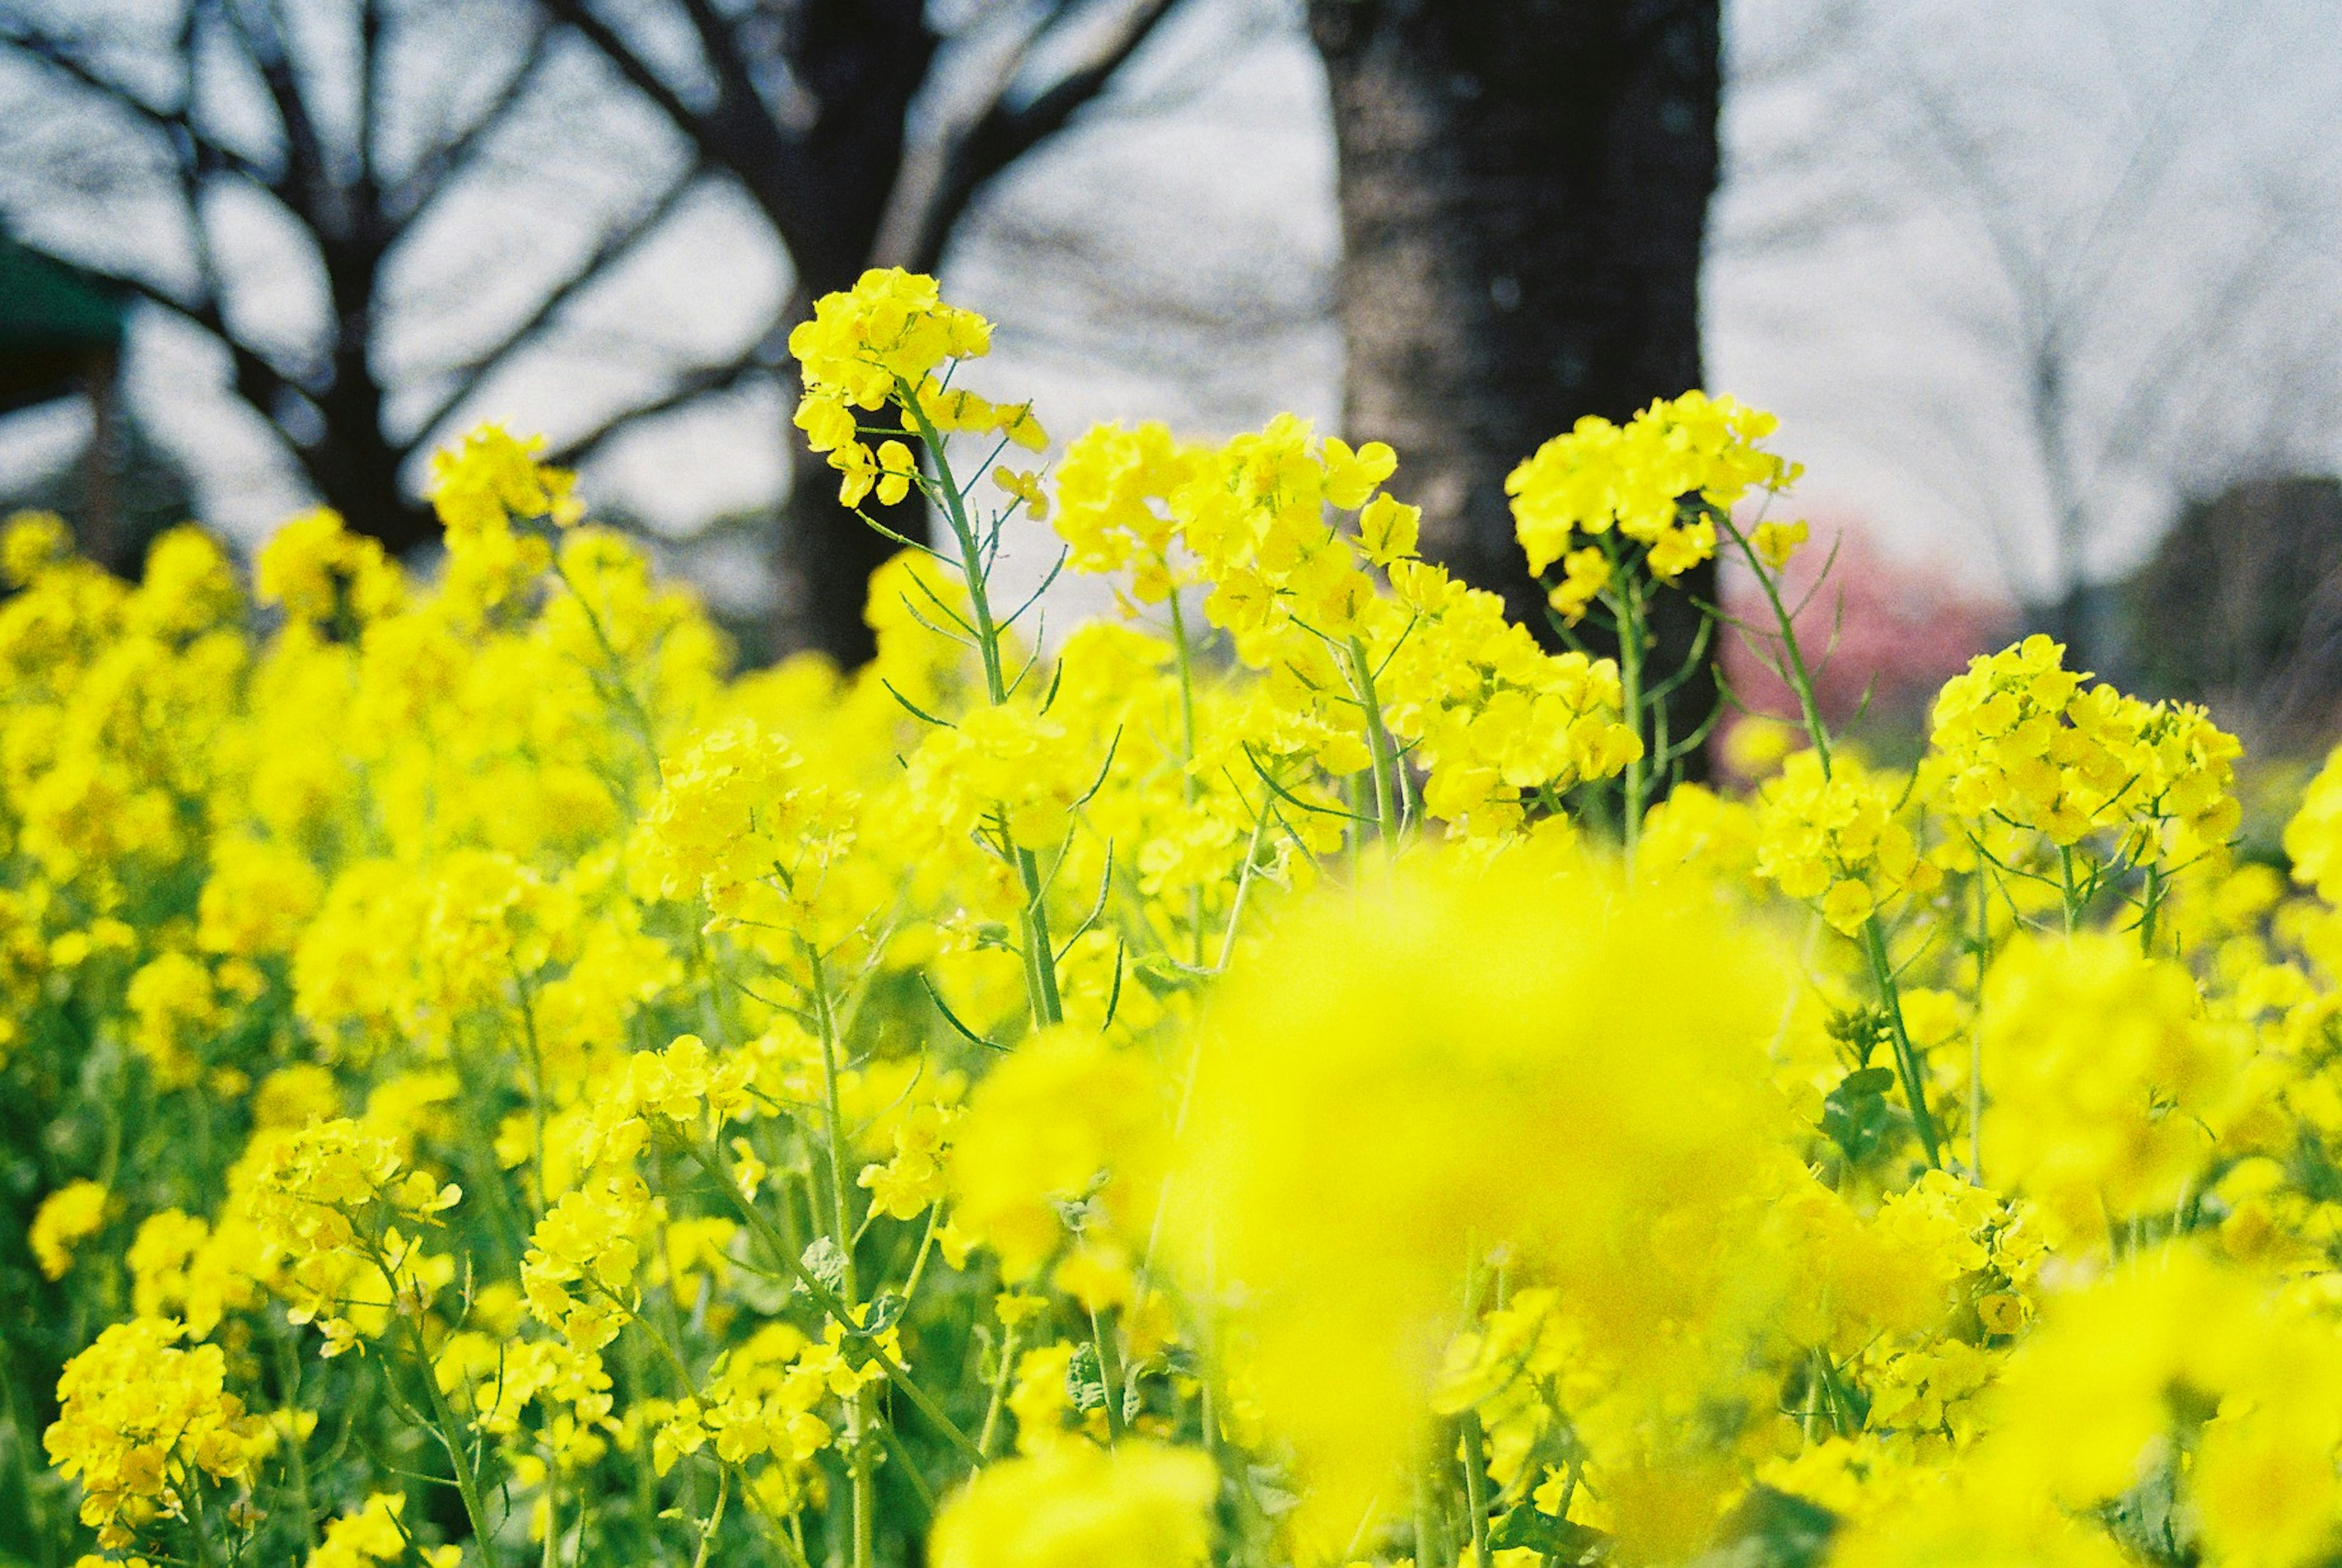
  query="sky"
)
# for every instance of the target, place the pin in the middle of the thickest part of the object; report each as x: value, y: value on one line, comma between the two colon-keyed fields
x: 1921, y: 201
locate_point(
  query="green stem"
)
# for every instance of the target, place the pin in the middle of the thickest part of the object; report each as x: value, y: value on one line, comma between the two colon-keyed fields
x: 1430, y: 1545
x: 859, y: 1463
x: 841, y: 1220
x: 467, y: 1482
x: 550, y: 1556
x: 919, y: 1260
x: 288, y: 1368
x: 716, y: 1166
x: 535, y: 1087
x: 1000, y: 1380
x: 2152, y: 904
x: 1976, y: 1034
x: 1378, y: 744
x: 1801, y: 679
x: 1184, y: 657
x: 1475, y: 1488
x: 1627, y: 606
x: 860, y: 1469
x: 707, y: 1531
x: 1040, y: 953
x: 1906, y: 1060
x: 1109, y: 1360
x: 200, y: 1527
x: 638, y: 717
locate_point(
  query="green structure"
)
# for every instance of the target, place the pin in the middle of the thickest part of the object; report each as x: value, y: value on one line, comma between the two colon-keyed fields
x: 61, y: 334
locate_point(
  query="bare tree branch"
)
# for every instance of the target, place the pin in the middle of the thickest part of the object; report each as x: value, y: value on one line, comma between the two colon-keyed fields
x: 614, y: 245
x: 432, y: 174
x: 1005, y: 132
x: 687, y: 387
x: 60, y: 55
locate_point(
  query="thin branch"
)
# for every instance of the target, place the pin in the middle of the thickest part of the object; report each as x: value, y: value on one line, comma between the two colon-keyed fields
x: 63, y: 58
x: 686, y: 386
x: 435, y: 171
x: 615, y: 246
x: 1005, y: 132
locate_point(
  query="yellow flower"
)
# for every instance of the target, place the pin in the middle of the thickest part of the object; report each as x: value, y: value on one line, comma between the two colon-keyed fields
x: 493, y: 477
x: 1633, y: 477
x: 1068, y: 1119
x: 318, y: 570
x: 1024, y: 489
x: 1141, y: 1505
x: 142, y: 1422
x: 1584, y: 574
x: 30, y: 542
x: 73, y: 1213
x: 1387, y: 1070
x: 2108, y: 1083
x: 1776, y: 542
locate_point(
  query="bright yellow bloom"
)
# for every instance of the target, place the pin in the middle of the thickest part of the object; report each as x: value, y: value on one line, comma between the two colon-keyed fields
x: 321, y: 572
x: 1142, y: 1505
x: 67, y: 1217
x: 143, y: 1422
x: 1634, y: 477
x: 2109, y: 1083
x: 1389, y: 1069
x: 2024, y: 742
x: 1776, y: 542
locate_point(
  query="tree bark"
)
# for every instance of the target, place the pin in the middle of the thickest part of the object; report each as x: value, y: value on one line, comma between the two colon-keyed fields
x: 828, y: 196
x: 1524, y: 192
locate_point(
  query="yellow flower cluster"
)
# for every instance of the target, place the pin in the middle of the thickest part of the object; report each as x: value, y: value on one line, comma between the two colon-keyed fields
x: 2111, y: 1086
x: 68, y: 1217
x: 1832, y: 834
x: 331, y: 1198
x: 882, y: 341
x: 327, y: 577
x: 1141, y: 1506
x: 2027, y: 745
x: 375, y: 1533
x: 1636, y: 478
x: 145, y: 1424
x: 479, y: 490
x: 1349, y: 623
x: 1246, y: 1082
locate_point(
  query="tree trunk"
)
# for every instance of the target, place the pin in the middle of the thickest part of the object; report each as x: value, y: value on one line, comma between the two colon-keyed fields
x: 823, y: 556
x: 864, y: 63
x: 1524, y: 192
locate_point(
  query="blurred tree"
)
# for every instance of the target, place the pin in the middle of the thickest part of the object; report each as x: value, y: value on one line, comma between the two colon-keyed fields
x: 2240, y: 607
x: 2109, y: 235
x: 125, y: 479
x: 1524, y: 190
x: 61, y: 337
x: 2136, y: 359
x: 862, y: 130
x: 227, y: 156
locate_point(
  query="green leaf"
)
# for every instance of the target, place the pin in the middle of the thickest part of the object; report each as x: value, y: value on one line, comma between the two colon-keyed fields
x: 1083, y: 1383
x: 826, y: 1263
x: 1855, y: 1116
x: 1564, y: 1540
x: 1772, y: 1529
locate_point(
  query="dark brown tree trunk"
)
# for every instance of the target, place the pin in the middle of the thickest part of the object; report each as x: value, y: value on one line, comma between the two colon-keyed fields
x: 823, y: 556
x: 864, y: 63
x: 1524, y: 193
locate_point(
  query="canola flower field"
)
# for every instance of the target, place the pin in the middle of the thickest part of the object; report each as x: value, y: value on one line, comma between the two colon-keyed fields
x: 1287, y: 1077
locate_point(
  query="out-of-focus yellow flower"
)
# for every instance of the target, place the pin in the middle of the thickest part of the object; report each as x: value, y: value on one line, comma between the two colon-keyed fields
x: 1142, y: 1505
x: 67, y: 1217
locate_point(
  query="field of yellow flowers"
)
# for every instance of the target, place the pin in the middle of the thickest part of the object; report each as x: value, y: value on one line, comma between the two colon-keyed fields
x: 1286, y: 1077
